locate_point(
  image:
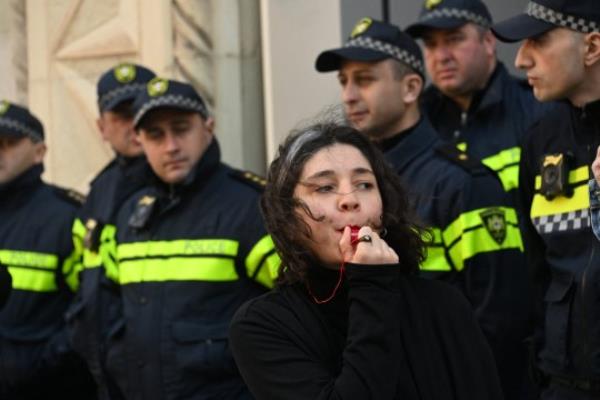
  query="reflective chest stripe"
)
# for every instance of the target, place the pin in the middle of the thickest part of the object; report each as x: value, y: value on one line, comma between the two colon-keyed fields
x: 31, y: 271
x: 506, y: 165
x: 177, y: 260
x: 563, y: 213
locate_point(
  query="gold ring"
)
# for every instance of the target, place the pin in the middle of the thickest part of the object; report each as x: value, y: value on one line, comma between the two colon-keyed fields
x: 365, y: 238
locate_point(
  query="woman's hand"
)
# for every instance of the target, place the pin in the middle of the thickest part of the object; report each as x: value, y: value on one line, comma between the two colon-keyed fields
x: 376, y: 251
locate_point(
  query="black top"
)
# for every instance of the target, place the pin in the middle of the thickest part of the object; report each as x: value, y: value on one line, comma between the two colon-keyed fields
x: 384, y: 335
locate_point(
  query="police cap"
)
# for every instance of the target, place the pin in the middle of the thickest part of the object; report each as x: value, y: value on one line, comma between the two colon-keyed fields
x: 121, y: 83
x: 541, y: 16
x: 164, y: 93
x: 449, y: 14
x: 373, y: 40
x: 18, y: 121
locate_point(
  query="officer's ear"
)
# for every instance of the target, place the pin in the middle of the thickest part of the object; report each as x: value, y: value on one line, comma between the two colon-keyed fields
x: 592, y: 48
x: 413, y: 84
x: 209, y: 124
x: 39, y: 151
x: 100, y: 125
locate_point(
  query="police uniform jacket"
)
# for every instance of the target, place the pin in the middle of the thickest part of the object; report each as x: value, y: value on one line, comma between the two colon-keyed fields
x: 476, y: 243
x: 493, y: 128
x: 36, y: 246
x: 97, y: 307
x: 188, y: 256
x: 562, y: 250
x: 385, y: 335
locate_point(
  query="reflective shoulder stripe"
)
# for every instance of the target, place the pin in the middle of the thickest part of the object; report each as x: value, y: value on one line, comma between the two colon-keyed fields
x: 468, y: 235
x: 462, y: 146
x: 506, y: 166
x: 580, y: 200
x: 31, y: 259
x: 182, y: 247
x: 435, y: 259
x: 262, y: 263
x: 177, y: 260
x: 575, y: 176
x: 177, y: 269
x: 70, y: 270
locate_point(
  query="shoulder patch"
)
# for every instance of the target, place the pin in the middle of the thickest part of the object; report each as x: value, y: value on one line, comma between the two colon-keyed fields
x: 249, y: 178
x: 70, y: 195
x: 462, y: 159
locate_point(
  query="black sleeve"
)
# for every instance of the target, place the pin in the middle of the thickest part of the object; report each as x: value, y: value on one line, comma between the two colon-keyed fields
x: 277, y: 364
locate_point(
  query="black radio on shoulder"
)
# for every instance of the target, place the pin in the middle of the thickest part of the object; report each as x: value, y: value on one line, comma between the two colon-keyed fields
x: 555, y: 176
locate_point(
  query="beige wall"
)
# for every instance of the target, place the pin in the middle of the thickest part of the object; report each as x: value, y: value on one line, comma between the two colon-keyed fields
x: 294, y: 33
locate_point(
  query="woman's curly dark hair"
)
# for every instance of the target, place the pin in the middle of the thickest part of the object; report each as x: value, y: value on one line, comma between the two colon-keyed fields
x: 281, y: 209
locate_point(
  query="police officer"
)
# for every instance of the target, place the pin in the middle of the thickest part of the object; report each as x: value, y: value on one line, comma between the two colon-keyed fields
x: 191, y: 248
x: 561, y: 54
x: 97, y: 308
x: 476, y: 241
x: 473, y: 101
x: 36, y: 361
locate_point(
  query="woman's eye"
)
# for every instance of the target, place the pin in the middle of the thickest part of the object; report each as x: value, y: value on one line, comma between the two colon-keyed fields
x: 365, y: 186
x: 324, y: 189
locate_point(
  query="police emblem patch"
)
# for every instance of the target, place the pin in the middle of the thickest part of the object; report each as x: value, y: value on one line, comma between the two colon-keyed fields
x: 361, y: 26
x: 125, y: 73
x: 431, y: 4
x: 4, y: 105
x: 157, y: 86
x: 494, y: 221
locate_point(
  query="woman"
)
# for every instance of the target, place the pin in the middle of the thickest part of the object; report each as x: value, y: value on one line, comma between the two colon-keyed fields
x: 350, y: 319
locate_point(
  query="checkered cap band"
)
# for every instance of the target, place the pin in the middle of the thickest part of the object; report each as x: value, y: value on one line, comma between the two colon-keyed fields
x: 171, y: 100
x: 457, y: 13
x: 129, y: 89
x: 562, y: 222
x: 401, y: 55
x: 554, y: 17
x: 17, y: 126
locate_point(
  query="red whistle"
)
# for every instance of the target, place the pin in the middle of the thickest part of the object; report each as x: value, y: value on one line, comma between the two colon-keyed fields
x: 354, y: 234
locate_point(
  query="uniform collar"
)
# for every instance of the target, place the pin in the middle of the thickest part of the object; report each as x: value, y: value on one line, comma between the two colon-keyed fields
x: 418, y: 140
x: 588, y: 119
x: 22, y: 184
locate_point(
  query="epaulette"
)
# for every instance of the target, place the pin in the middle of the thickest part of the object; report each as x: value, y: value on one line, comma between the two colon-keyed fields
x: 452, y: 153
x: 70, y: 195
x: 249, y: 178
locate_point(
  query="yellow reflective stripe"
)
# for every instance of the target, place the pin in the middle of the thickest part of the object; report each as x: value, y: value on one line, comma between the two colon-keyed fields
x: 262, y: 263
x: 462, y: 146
x: 29, y: 259
x: 70, y: 270
x: 578, y: 175
x: 506, y: 166
x: 108, y: 240
x: 33, y: 280
x: 479, y: 241
x: 472, y: 219
x: 181, y: 247
x: 559, y: 205
x: 436, y: 256
x: 467, y: 236
x: 177, y: 269
x: 78, y: 231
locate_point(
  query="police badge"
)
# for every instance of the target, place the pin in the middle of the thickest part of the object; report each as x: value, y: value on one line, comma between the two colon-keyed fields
x: 431, y: 4
x: 494, y: 221
x: 4, y: 105
x: 361, y: 26
x: 124, y: 73
x: 157, y: 86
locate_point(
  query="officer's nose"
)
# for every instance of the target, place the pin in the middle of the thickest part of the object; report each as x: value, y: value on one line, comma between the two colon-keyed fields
x: 523, y: 59
x: 349, y: 93
x: 171, y: 143
x: 439, y: 53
